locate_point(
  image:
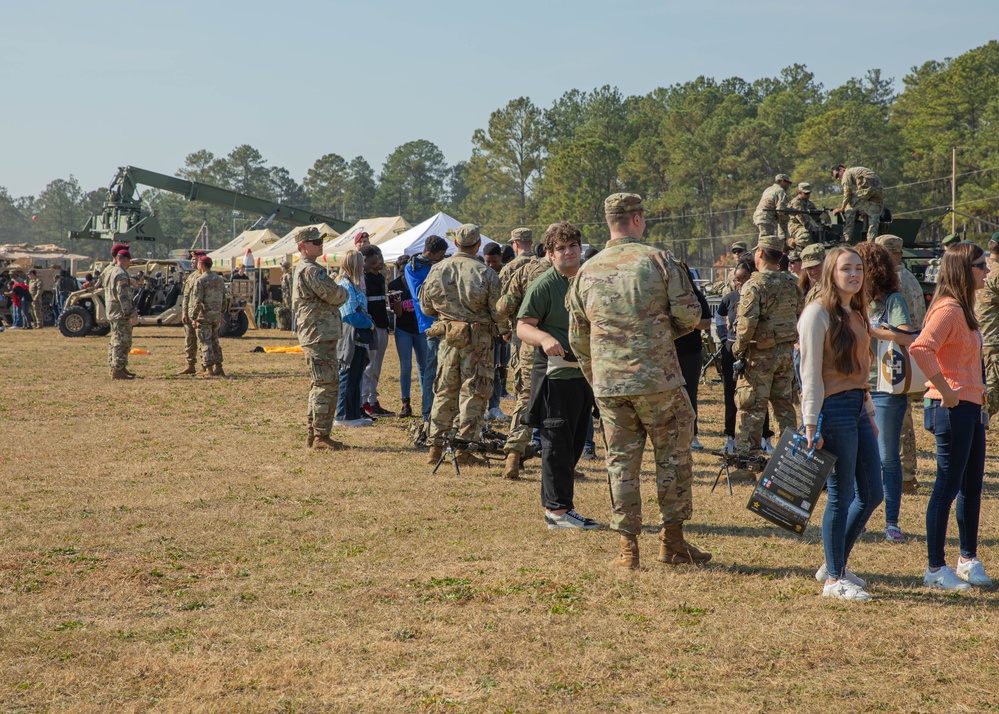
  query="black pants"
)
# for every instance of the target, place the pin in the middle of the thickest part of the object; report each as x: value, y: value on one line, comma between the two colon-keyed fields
x: 690, y: 368
x: 566, y: 405
x: 728, y: 386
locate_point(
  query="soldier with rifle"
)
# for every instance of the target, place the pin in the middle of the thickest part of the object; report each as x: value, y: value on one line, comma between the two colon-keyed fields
x: 769, y: 217
x: 801, y: 223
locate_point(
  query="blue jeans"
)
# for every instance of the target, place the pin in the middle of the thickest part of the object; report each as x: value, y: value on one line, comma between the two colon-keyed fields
x: 501, y: 359
x: 588, y: 443
x: 406, y: 344
x: 348, y: 403
x: 960, y: 437
x: 889, y: 417
x: 429, y: 375
x: 854, y: 486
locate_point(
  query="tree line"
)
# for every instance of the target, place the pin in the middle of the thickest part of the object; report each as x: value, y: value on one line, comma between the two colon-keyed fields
x: 700, y: 152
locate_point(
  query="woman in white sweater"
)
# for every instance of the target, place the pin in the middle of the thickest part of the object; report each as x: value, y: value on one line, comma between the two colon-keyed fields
x: 835, y: 364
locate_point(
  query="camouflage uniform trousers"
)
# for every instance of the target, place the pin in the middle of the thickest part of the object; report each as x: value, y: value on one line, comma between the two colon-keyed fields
x: 801, y: 237
x: 190, y: 343
x: 768, y: 379
x: 520, y: 435
x: 208, y: 341
x: 668, y: 420
x: 36, y: 314
x: 990, y: 355
x: 907, y: 450
x: 869, y: 209
x: 768, y: 228
x: 462, y: 387
x: 120, y: 344
x: 324, y: 371
x: 283, y: 315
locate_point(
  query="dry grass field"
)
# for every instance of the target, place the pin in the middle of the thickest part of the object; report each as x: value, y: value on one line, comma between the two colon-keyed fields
x: 169, y: 544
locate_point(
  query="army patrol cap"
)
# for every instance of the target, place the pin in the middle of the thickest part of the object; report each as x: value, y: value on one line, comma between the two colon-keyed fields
x: 740, y: 246
x: 994, y: 238
x: 521, y: 235
x: 782, y: 177
x: 466, y: 235
x: 310, y: 235
x: 285, y: 263
x: 951, y: 239
x: 893, y: 244
x: 794, y: 256
x: 805, y: 187
x: 812, y: 255
x: 618, y: 203
x: 770, y: 243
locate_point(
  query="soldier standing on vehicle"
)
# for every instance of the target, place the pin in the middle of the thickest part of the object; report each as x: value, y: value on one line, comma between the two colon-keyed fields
x: 287, y: 280
x: 769, y: 307
x: 463, y: 293
x: 317, y: 298
x: 206, y: 314
x: 190, y: 334
x: 36, y: 289
x: 121, y: 314
x: 626, y: 306
x: 766, y: 217
x: 802, y: 227
x: 862, y: 193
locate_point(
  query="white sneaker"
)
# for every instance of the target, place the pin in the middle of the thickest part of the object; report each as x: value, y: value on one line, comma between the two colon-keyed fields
x: 730, y: 446
x: 944, y: 579
x: 569, y: 519
x: 822, y: 575
x: 496, y: 414
x: 972, y: 571
x: 843, y: 589
x: 695, y: 445
x: 354, y: 422
x: 766, y: 447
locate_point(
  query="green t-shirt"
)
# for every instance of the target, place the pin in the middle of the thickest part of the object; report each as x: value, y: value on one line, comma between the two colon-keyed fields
x: 891, y: 310
x: 544, y: 301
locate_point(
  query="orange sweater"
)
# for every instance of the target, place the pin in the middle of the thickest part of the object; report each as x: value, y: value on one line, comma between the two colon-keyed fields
x: 947, y: 345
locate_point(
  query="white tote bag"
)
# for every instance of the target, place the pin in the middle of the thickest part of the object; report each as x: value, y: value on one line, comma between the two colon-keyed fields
x: 898, y: 373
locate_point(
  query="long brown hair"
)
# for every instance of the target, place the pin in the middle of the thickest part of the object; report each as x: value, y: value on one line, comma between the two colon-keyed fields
x: 880, y: 278
x: 955, y: 279
x: 841, y: 336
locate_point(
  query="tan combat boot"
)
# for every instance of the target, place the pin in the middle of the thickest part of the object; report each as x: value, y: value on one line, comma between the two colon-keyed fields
x: 675, y: 549
x: 628, y: 559
x: 217, y: 370
x: 190, y: 369
x: 467, y: 458
x: 121, y: 374
x: 436, y: 452
x: 512, y: 469
x: 205, y: 372
x: 323, y: 442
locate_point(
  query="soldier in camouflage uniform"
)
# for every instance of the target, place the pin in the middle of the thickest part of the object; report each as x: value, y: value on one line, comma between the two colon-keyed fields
x: 206, y: 314
x: 462, y: 292
x: 802, y: 227
x: 862, y: 193
x: 190, y: 334
x: 121, y: 314
x: 284, y: 311
x: 769, y: 307
x: 36, y: 290
x: 987, y: 308
x: 626, y: 306
x: 766, y: 216
x: 317, y: 299
x: 508, y: 306
x: 912, y: 291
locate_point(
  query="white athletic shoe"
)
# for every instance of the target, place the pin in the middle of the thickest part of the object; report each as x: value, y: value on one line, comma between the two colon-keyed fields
x: 730, y: 446
x: 972, y: 571
x: 695, y: 445
x: 496, y: 414
x: 766, y: 447
x: 944, y: 579
x: 843, y: 589
x: 354, y: 422
x: 822, y: 575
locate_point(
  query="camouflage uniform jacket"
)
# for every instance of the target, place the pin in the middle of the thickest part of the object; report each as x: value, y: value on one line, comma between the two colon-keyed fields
x: 461, y: 289
x: 803, y: 220
x: 516, y: 287
x: 510, y: 268
x: 188, y: 293
x: 626, y: 306
x: 209, y: 293
x: 118, y: 294
x: 35, y: 288
x: 317, y: 299
x: 773, y: 198
x: 987, y: 306
x: 913, y: 293
x: 287, y: 283
x: 861, y: 183
x: 102, y: 280
x: 769, y: 307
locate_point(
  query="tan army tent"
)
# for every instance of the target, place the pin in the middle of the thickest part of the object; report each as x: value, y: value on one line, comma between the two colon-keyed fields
x: 232, y: 253
x: 379, y: 230
x: 287, y: 247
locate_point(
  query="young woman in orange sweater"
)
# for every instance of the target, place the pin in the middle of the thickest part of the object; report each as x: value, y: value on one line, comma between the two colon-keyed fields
x: 949, y: 351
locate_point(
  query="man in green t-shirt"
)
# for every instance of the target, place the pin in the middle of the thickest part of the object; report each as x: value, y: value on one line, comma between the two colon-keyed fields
x: 561, y: 404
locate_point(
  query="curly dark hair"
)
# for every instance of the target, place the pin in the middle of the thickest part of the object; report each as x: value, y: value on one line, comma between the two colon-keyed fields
x: 880, y: 278
x: 561, y: 232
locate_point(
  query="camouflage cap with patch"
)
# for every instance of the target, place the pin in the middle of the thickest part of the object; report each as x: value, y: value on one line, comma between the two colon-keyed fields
x: 793, y: 256
x: 893, y: 244
x: 951, y: 239
x: 782, y: 177
x: 805, y: 187
x: 309, y: 234
x: 994, y: 238
x: 466, y: 235
x: 523, y: 235
x: 622, y: 203
x: 770, y: 243
x: 812, y: 255
x: 739, y: 245
x: 286, y: 264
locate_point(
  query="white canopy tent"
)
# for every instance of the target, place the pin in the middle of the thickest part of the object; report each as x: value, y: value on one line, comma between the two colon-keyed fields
x: 232, y: 253
x: 287, y: 247
x: 380, y: 230
x: 412, y: 241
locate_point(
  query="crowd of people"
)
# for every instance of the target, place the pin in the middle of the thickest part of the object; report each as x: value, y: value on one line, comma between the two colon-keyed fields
x: 31, y: 304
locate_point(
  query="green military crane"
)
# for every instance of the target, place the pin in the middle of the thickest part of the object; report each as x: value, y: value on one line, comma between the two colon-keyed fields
x: 124, y: 219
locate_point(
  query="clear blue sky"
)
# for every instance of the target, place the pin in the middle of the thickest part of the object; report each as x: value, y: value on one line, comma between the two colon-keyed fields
x: 90, y: 86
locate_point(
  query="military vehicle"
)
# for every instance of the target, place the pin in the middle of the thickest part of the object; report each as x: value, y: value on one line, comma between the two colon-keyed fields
x: 157, y: 299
